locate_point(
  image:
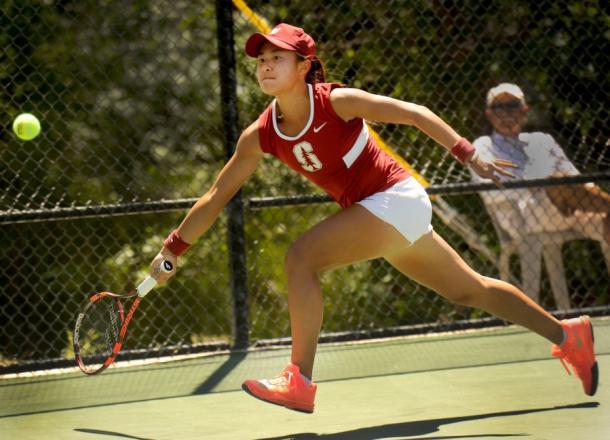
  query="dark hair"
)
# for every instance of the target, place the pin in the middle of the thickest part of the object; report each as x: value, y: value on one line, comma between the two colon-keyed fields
x: 316, y: 71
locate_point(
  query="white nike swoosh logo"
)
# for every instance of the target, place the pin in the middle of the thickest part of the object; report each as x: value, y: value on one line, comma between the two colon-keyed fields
x: 316, y: 129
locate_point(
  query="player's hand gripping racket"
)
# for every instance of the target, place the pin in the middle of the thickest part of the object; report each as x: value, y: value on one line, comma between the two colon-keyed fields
x: 101, y: 325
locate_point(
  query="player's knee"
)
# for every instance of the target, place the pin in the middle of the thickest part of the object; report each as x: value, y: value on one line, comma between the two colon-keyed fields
x: 298, y: 260
x: 462, y: 298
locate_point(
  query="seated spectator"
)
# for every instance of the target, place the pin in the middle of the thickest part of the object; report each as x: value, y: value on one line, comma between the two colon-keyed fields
x: 535, y: 222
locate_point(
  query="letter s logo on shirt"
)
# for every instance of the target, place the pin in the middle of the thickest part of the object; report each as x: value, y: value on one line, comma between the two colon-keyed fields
x: 303, y: 151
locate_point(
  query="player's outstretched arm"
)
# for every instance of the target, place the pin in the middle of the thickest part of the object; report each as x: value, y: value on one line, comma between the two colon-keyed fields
x: 354, y: 103
x: 204, y: 212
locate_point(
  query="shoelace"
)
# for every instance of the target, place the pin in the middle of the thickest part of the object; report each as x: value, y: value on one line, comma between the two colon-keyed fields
x: 282, y: 380
x: 559, y: 353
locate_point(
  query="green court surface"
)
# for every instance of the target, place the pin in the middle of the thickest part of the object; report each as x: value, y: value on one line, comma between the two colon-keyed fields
x: 490, y: 384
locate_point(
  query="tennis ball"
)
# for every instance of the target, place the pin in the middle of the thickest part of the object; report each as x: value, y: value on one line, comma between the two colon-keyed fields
x: 26, y: 126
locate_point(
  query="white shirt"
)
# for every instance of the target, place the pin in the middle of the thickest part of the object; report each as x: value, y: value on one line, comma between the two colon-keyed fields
x: 525, y: 210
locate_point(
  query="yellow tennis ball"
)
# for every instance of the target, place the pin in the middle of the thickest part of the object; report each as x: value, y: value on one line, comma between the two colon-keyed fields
x: 26, y: 126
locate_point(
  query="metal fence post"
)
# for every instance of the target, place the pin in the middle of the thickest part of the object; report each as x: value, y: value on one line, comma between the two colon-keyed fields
x: 235, y: 208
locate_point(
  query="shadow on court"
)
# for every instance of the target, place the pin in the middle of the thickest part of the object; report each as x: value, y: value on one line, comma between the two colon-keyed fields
x: 234, y: 359
x: 139, y: 390
x: 110, y: 433
x: 423, y: 427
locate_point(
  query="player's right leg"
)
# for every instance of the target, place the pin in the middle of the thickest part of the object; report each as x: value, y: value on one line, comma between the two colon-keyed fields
x: 351, y: 235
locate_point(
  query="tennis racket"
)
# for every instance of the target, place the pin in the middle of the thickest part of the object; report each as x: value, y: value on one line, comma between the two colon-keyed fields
x: 101, y: 325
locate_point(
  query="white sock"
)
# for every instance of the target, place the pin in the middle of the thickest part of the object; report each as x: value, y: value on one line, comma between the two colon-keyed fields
x: 565, y: 336
x: 306, y: 379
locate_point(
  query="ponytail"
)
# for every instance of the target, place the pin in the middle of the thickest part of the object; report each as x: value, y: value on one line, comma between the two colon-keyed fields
x: 316, y: 72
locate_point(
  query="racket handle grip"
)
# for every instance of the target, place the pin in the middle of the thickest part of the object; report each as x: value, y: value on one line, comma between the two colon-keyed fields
x: 146, y: 286
x: 149, y: 282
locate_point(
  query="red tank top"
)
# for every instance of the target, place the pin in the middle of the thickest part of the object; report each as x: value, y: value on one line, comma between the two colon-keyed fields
x: 340, y: 157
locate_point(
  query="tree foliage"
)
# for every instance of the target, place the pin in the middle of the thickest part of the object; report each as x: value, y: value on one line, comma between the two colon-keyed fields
x: 128, y: 95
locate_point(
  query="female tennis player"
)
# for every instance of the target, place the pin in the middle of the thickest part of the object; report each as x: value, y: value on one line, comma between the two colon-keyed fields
x: 318, y: 129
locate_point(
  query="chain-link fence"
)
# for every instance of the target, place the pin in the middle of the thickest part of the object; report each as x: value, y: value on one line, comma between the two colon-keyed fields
x: 129, y: 96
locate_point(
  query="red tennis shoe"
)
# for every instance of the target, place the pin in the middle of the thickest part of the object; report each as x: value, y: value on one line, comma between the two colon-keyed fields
x: 289, y: 389
x: 577, y: 350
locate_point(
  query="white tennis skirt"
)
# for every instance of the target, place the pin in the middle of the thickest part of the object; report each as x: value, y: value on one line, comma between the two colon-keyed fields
x: 406, y: 206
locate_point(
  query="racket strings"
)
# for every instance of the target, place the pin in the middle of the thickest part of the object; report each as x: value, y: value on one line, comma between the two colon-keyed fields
x: 114, y: 317
x: 99, y: 331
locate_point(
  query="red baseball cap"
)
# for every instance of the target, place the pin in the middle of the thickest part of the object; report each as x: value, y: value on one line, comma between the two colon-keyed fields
x: 283, y: 36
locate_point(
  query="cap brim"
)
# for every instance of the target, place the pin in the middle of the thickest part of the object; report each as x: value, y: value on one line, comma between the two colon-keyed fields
x: 256, y: 40
x: 492, y: 98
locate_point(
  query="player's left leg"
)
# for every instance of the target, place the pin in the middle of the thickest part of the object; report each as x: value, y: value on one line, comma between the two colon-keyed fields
x: 433, y: 263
